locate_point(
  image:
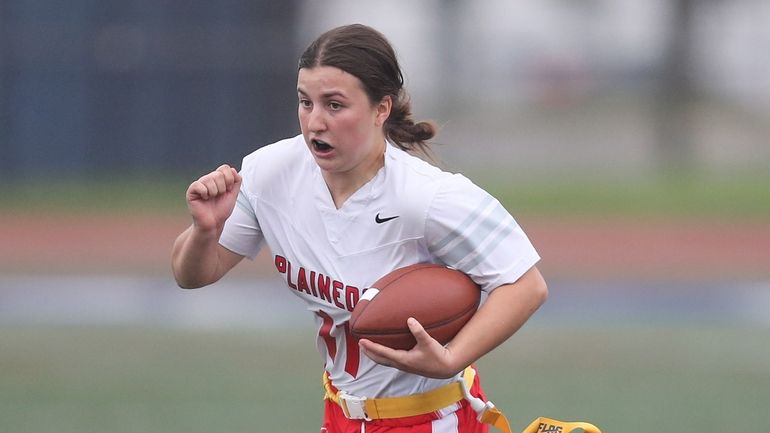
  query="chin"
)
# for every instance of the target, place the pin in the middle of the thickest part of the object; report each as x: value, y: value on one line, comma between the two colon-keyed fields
x: 326, y: 164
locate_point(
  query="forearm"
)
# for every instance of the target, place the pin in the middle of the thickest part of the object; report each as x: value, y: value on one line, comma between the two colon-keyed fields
x: 505, y: 311
x: 195, y: 258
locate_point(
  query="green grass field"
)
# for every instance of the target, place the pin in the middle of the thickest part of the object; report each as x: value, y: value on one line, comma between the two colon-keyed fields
x: 628, y: 379
x: 625, y: 378
x: 743, y: 195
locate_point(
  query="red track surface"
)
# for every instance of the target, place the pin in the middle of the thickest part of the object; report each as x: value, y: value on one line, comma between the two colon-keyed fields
x: 612, y: 248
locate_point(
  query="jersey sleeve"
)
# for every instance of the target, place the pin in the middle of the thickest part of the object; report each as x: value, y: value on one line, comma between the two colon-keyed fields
x: 241, y: 233
x: 469, y: 230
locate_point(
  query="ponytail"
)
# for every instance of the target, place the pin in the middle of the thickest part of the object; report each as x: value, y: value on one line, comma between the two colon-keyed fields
x: 403, y: 131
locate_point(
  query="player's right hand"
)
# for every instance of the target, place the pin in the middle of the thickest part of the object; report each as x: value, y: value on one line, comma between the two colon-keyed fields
x: 211, y: 198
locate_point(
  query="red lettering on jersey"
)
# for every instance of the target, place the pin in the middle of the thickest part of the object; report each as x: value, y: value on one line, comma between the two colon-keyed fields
x: 323, y: 287
x: 334, y: 292
x: 302, y: 282
x: 312, y: 283
x: 280, y: 264
x: 336, y: 288
x: 288, y: 276
x: 351, y: 297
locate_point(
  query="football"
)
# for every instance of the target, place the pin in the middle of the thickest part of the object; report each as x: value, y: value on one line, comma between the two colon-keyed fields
x: 442, y: 299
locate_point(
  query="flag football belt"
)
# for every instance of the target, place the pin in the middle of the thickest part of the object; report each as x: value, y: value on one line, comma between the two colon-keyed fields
x: 368, y: 409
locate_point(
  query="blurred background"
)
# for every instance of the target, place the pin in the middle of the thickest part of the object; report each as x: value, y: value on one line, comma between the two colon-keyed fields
x: 630, y: 139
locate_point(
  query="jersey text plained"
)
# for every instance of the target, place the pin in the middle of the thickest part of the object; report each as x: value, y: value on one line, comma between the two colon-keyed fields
x: 316, y: 284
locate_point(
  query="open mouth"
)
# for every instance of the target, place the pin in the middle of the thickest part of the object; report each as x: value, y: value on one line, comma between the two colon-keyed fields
x: 321, y: 146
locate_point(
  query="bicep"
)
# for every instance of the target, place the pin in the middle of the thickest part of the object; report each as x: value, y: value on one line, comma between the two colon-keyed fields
x: 529, y: 290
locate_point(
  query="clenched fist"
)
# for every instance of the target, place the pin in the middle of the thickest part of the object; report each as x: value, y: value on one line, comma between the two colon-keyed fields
x: 211, y: 198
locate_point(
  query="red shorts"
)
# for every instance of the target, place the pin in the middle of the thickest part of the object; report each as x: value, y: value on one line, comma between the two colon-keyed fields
x: 461, y: 421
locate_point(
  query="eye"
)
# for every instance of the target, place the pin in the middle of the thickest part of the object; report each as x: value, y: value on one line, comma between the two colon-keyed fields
x: 305, y: 103
x: 334, y: 105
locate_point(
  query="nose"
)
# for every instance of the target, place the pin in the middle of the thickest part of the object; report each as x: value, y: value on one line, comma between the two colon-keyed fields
x: 315, y: 120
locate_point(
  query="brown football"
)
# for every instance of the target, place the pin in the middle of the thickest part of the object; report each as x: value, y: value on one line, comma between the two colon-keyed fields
x: 442, y: 299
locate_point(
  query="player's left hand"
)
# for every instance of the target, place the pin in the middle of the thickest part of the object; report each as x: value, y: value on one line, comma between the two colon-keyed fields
x: 428, y: 358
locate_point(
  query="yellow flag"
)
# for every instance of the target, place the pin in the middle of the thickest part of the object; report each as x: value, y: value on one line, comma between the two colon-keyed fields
x: 547, y: 425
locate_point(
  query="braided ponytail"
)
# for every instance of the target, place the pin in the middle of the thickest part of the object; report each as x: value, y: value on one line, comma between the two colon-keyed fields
x: 403, y: 131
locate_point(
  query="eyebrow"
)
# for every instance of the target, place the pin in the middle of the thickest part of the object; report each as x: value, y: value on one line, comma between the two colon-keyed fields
x: 327, y: 95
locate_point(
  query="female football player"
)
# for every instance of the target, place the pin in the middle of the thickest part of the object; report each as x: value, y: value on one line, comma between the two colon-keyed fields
x: 345, y: 203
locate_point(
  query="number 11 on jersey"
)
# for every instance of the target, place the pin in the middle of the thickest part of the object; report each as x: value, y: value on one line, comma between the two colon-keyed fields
x: 353, y: 355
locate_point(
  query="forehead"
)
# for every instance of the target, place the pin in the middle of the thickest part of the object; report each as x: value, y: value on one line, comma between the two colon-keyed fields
x: 326, y: 79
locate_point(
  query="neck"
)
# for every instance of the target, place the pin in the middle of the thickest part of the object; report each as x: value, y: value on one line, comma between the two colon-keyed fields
x: 342, y: 185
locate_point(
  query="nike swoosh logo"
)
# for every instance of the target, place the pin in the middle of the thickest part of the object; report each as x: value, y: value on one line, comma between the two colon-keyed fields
x: 379, y: 220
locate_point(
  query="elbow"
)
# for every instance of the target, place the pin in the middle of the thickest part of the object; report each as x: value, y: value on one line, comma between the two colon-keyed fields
x: 539, y: 288
x: 191, y: 284
x: 188, y: 285
x: 188, y: 278
x: 542, y: 292
x: 186, y: 282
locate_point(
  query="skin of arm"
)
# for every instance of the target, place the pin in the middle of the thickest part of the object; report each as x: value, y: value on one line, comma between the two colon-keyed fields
x: 197, y: 258
x: 506, y: 309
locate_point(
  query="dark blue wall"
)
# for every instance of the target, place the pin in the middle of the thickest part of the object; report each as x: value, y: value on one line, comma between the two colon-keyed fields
x: 92, y: 88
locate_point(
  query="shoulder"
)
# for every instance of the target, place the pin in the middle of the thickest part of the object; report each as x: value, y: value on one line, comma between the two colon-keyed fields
x: 417, y: 187
x: 285, y: 158
x: 276, y: 166
x: 411, y: 164
x: 438, y: 197
x: 419, y: 181
x: 282, y: 152
x: 411, y: 175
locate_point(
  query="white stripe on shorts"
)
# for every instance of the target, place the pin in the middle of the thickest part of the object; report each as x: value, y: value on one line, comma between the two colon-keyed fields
x: 446, y: 424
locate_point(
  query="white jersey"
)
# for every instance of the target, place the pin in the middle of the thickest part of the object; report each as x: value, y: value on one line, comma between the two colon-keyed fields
x: 410, y: 212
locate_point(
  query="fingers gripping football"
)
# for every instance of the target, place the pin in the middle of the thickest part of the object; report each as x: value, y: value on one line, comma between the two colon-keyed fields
x: 427, y: 358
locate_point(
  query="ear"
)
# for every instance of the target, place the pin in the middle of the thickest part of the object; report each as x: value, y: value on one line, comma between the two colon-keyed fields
x: 383, y: 110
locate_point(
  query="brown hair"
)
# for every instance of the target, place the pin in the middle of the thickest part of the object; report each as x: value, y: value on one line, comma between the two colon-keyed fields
x: 365, y: 53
